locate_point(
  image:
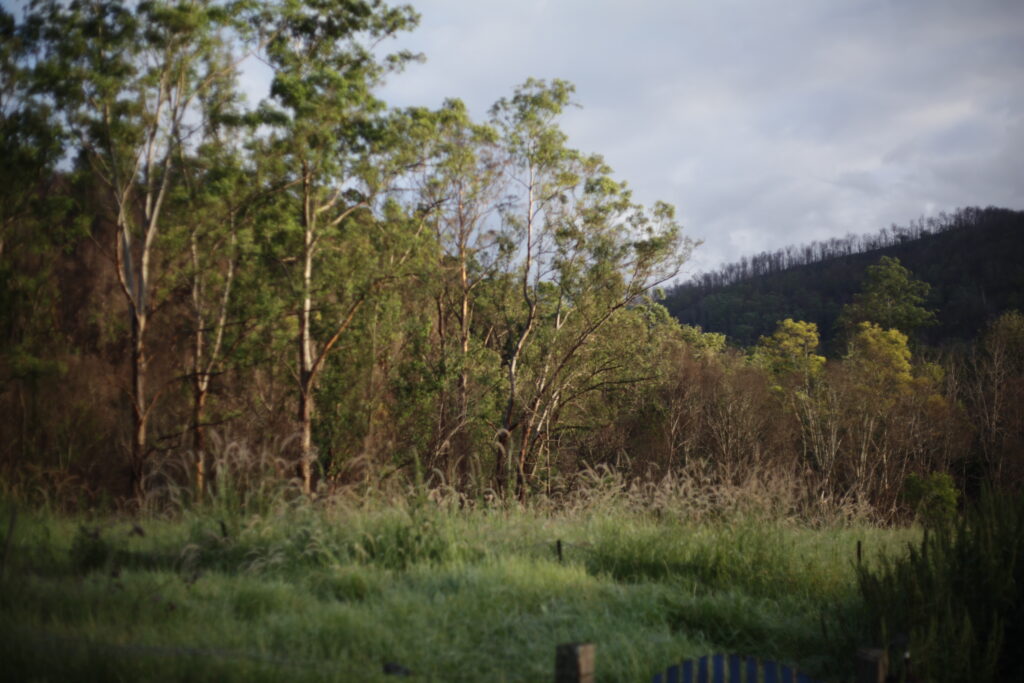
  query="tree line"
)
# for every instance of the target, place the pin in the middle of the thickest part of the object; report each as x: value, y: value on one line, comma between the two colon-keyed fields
x: 971, y: 258
x: 365, y: 292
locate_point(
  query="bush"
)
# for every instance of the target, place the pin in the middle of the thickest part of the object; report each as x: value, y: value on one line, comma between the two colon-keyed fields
x: 957, y: 598
x: 932, y: 498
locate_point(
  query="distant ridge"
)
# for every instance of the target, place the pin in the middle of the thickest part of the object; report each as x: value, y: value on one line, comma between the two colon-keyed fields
x: 973, y: 259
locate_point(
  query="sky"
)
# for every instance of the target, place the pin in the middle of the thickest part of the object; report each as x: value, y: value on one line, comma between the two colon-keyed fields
x: 765, y: 122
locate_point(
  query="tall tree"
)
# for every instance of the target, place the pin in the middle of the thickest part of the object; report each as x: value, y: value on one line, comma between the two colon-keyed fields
x: 891, y: 298
x: 329, y: 140
x: 214, y: 211
x: 130, y: 81
x: 462, y: 187
x: 576, y: 250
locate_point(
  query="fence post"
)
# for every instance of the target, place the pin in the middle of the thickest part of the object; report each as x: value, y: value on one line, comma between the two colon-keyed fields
x: 872, y: 665
x: 574, y: 663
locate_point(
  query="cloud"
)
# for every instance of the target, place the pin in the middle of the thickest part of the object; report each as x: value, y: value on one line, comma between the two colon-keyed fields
x: 765, y: 123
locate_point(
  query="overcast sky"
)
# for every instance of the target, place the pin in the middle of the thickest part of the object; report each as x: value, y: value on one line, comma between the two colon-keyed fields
x: 765, y: 122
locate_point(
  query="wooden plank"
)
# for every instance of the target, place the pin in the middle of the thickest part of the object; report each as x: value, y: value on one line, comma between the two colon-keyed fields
x: 718, y: 669
x: 574, y: 663
x: 752, y: 670
x: 702, y: 670
x: 722, y: 668
x: 872, y: 665
x: 735, y: 665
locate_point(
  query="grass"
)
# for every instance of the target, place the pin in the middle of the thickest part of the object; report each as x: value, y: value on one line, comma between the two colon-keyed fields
x: 341, y: 591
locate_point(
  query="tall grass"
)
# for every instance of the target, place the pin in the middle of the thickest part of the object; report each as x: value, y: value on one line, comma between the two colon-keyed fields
x: 261, y: 584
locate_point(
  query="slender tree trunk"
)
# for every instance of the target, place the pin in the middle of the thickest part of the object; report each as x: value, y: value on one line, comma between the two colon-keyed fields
x: 306, y: 408
x: 140, y: 443
x: 307, y: 376
x: 462, y: 446
x: 200, y: 391
x: 205, y: 359
x: 507, y: 443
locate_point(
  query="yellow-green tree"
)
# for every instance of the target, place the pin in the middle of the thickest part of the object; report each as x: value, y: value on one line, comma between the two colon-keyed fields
x: 791, y: 349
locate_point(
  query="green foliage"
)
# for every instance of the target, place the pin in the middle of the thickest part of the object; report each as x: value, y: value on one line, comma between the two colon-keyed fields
x: 703, y: 343
x: 956, y: 598
x: 932, y: 497
x: 1004, y: 339
x: 881, y: 358
x: 791, y: 349
x: 891, y: 298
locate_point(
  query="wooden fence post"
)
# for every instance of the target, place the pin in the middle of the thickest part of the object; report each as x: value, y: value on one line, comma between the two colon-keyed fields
x: 872, y: 665
x: 574, y: 663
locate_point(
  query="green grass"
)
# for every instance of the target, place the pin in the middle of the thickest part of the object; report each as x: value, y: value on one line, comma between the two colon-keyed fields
x: 334, y: 593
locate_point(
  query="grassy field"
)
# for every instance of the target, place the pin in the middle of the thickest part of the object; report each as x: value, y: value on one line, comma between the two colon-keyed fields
x: 347, y: 591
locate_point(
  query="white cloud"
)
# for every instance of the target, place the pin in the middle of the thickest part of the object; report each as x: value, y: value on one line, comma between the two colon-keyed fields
x: 765, y: 123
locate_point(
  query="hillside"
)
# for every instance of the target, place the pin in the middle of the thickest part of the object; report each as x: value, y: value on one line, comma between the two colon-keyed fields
x: 973, y: 260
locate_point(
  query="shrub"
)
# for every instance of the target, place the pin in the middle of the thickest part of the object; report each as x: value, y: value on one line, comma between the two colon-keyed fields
x: 932, y: 498
x: 957, y: 598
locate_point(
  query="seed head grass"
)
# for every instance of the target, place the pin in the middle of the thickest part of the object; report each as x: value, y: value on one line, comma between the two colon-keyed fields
x: 343, y: 589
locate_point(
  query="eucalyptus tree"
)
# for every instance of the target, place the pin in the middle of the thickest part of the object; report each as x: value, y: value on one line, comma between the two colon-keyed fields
x: 461, y: 188
x: 891, y: 298
x: 331, y: 144
x: 578, y: 249
x: 215, y: 209
x: 134, y: 84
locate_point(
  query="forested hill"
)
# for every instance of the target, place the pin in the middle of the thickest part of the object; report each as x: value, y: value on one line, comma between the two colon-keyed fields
x: 973, y: 260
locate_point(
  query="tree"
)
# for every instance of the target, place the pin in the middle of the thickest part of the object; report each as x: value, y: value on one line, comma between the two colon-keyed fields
x: 995, y: 397
x: 891, y: 298
x: 461, y: 186
x: 790, y: 350
x: 131, y: 82
x: 328, y: 142
x: 576, y: 249
x: 35, y: 225
x: 215, y: 209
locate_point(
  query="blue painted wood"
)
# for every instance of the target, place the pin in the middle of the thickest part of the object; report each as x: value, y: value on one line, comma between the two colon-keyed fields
x: 734, y: 668
x: 721, y: 668
x: 751, y: 670
x: 718, y: 669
